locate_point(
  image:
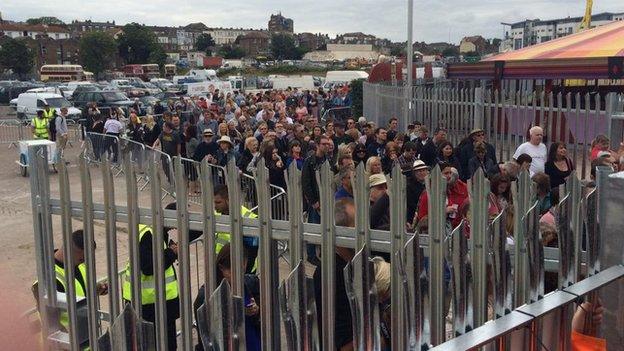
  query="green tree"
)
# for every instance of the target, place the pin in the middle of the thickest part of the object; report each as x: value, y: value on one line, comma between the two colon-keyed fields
x: 231, y: 52
x: 450, y: 52
x: 157, y: 55
x: 136, y: 44
x: 205, y: 43
x: 16, y: 56
x: 283, y: 48
x: 397, y: 50
x: 45, y: 20
x: 97, y: 52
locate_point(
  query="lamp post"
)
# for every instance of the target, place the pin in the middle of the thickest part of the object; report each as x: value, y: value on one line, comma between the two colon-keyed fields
x: 409, y: 59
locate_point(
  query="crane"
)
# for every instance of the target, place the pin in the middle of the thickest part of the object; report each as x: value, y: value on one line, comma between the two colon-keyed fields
x: 586, y: 22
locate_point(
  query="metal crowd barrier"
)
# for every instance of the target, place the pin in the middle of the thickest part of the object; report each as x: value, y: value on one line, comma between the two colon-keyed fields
x: 506, y: 115
x: 418, y: 289
x: 12, y: 131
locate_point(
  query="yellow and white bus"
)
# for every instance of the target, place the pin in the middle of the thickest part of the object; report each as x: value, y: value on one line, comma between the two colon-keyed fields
x: 61, y: 73
x: 150, y: 70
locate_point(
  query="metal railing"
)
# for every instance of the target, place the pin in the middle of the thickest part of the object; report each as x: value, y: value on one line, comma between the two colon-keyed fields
x: 417, y: 262
x: 505, y: 115
x: 12, y: 131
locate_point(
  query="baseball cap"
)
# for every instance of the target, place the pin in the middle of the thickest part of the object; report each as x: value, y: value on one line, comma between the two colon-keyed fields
x: 208, y: 131
x: 376, y: 179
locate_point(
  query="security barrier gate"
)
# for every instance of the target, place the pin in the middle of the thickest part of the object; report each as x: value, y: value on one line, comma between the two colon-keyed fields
x: 486, y: 269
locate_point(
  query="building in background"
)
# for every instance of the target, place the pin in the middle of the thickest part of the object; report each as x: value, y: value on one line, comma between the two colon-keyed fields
x: 18, y: 30
x: 535, y: 31
x: 343, y: 52
x: 311, y: 41
x: 473, y: 44
x: 226, y: 36
x: 255, y: 43
x: 78, y: 28
x: 48, y: 51
x: 279, y: 23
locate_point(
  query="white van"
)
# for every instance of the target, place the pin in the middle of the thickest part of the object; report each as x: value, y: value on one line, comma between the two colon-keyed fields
x: 334, y: 78
x: 29, y: 103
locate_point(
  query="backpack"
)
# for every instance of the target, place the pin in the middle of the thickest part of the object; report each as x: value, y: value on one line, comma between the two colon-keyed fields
x: 52, y: 124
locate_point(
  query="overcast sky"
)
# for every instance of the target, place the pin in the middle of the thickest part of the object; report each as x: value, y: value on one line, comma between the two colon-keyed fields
x: 434, y: 20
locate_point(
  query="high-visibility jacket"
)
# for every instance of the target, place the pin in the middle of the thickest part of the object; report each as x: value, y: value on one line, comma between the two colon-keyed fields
x: 223, y: 238
x: 582, y: 342
x: 41, y: 127
x: 60, y: 277
x: 48, y: 114
x: 148, y: 283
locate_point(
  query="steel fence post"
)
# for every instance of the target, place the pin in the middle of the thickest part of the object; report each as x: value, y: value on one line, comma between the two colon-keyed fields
x: 89, y: 250
x: 436, y: 191
x: 69, y: 261
x: 478, y: 109
x: 328, y: 260
x: 44, y: 239
x: 268, y: 283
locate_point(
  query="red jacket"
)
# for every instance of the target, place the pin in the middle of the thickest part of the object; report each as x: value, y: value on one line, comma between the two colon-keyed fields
x: 455, y: 196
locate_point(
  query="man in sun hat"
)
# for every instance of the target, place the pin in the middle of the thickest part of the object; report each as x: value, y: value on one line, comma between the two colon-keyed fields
x: 466, y: 151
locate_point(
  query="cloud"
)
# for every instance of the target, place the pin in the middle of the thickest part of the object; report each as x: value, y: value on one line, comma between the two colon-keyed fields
x: 434, y: 20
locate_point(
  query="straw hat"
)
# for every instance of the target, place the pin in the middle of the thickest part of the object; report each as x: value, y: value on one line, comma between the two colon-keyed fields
x: 376, y: 179
x: 225, y: 139
x: 476, y: 130
x: 418, y: 165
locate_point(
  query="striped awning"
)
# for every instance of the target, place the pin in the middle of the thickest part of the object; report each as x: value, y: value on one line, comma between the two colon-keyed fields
x: 603, y: 41
x: 593, y: 54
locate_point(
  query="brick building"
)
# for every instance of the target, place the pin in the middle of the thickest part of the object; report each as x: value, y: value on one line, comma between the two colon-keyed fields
x: 279, y: 23
x: 254, y: 43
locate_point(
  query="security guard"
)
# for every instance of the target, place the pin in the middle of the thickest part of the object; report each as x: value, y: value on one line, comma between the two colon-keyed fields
x: 222, y: 206
x: 40, y: 126
x: 148, y: 288
x: 80, y: 273
x: 49, y: 114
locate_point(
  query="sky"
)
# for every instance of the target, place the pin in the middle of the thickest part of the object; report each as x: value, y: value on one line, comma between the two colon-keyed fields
x: 439, y: 20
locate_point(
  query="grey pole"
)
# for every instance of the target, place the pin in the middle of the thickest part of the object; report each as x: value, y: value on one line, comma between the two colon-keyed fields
x: 89, y: 250
x: 110, y: 221
x: 158, y: 255
x: 44, y: 241
x: 69, y: 260
x: 410, y: 54
x: 184, y: 275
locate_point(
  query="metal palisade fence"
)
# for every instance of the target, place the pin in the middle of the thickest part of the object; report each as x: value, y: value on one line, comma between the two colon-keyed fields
x: 501, y: 302
x: 505, y: 115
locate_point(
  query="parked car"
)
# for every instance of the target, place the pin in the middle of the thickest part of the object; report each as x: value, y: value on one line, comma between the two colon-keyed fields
x: 104, y: 99
x: 29, y: 103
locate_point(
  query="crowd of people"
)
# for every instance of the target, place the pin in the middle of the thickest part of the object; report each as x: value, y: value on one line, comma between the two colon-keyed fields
x: 283, y: 127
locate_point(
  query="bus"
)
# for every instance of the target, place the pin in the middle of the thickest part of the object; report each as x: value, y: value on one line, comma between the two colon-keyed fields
x: 133, y: 71
x: 170, y: 71
x: 150, y: 70
x: 61, y: 73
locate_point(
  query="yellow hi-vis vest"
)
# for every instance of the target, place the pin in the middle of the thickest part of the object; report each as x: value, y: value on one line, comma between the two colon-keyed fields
x: 60, y: 277
x: 223, y: 238
x: 41, y: 127
x: 148, y: 283
x: 48, y: 114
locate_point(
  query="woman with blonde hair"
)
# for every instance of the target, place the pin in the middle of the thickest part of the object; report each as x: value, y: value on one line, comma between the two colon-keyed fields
x: 373, y: 165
